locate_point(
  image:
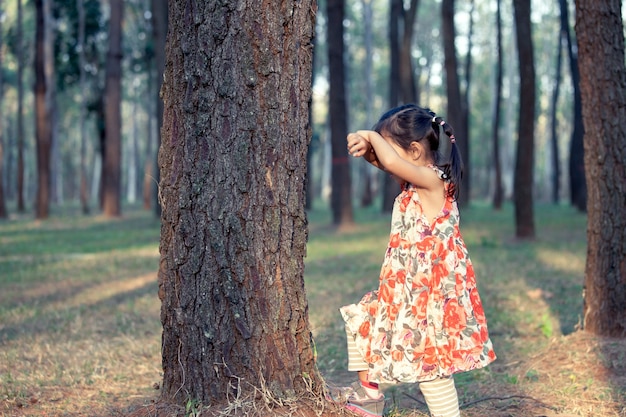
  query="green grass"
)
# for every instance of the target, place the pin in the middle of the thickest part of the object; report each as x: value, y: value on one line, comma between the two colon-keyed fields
x: 79, y: 312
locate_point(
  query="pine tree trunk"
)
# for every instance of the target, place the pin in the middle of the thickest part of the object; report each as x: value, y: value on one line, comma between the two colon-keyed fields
x: 390, y: 186
x: 341, y: 197
x: 578, y: 184
x: 554, y: 136
x: 42, y: 117
x: 112, y: 169
x: 599, y: 29
x: 455, y: 113
x: 237, y: 90
x: 159, y: 31
x: 523, y: 181
x: 3, y: 207
x: 21, y: 207
x: 84, y: 188
x: 498, y: 192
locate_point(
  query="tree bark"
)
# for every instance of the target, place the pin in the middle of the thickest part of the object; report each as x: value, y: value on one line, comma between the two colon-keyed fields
x: 3, y: 207
x: 21, y: 206
x: 498, y: 193
x: 43, y: 130
x: 456, y: 114
x: 84, y: 188
x: 554, y: 136
x: 159, y: 32
x: 599, y: 29
x: 341, y: 193
x: 390, y: 187
x: 237, y: 91
x: 365, y: 169
x: 408, y: 86
x: 578, y: 184
x: 523, y: 181
x: 112, y: 164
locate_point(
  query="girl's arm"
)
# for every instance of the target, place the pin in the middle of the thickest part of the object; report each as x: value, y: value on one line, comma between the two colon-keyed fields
x: 358, y: 146
x: 390, y: 160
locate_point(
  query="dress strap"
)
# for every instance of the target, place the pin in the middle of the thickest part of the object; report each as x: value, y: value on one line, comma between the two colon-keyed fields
x: 442, y: 175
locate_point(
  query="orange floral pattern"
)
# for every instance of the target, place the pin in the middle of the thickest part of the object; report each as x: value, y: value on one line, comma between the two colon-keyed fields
x: 426, y: 319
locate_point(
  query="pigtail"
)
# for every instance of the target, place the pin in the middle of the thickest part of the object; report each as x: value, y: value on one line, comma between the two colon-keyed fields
x: 453, y: 167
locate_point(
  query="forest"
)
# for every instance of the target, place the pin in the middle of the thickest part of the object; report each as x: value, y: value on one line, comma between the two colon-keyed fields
x: 76, y: 54
x: 223, y: 130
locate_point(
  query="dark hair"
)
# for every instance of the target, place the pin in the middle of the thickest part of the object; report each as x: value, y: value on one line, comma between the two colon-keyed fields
x: 410, y: 123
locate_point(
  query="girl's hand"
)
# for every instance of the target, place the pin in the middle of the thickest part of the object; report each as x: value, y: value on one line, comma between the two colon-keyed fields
x: 358, y: 145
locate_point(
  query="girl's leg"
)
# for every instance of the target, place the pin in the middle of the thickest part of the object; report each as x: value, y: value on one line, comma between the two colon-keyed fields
x: 358, y: 365
x: 355, y: 359
x: 441, y: 397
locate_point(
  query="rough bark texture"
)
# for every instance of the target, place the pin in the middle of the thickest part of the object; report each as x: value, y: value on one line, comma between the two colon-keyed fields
x: 237, y: 90
x: 341, y: 180
x: 599, y: 30
x: 524, y: 162
x: 112, y: 164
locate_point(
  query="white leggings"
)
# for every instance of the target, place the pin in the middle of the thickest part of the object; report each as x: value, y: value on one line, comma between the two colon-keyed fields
x: 440, y: 394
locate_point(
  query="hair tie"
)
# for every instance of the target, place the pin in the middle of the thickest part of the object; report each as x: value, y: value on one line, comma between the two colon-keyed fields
x: 434, y: 119
x: 442, y: 122
x: 452, y: 139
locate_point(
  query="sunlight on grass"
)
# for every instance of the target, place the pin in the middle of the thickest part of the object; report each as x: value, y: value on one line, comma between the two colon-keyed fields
x: 566, y: 262
x: 80, y: 317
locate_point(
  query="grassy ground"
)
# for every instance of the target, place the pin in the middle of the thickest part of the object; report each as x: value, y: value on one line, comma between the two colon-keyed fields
x: 80, y: 329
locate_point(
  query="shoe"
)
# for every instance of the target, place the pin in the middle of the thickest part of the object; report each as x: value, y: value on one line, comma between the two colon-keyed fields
x: 338, y: 394
x: 361, y: 403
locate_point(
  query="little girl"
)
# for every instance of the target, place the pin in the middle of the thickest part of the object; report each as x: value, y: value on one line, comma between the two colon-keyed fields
x: 426, y: 321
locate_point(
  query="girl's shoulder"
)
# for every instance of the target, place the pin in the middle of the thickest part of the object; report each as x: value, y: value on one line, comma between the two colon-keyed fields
x: 440, y: 173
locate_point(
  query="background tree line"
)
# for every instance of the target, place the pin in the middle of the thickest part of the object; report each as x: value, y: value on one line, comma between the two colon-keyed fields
x: 429, y: 51
x: 80, y: 103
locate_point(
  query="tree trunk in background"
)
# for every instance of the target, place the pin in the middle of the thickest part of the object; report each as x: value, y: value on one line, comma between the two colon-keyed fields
x: 3, y: 207
x: 159, y: 33
x: 148, y: 167
x: 465, y: 96
x: 403, y: 87
x: 56, y: 183
x: 523, y: 181
x: 554, y: 122
x: 101, y: 128
x: 390, y: 187
x: 237, y: 90
x: 599, y: 30
x: 84, y: 188
x: 498, y: 192
x: 578, y: 184
x: 341, y: 193
x: 408, y: 86
x: 456, y: 115
x: 365, y: 169
x: 42, y: 117
x: 111, y: 180
x: 21, y: 207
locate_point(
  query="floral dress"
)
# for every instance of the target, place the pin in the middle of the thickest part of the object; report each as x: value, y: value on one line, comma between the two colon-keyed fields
x: 426, y: 319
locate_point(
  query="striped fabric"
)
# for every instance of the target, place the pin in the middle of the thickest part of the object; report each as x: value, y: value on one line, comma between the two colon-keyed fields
x: 441, y: 397
x: 355, y: 359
